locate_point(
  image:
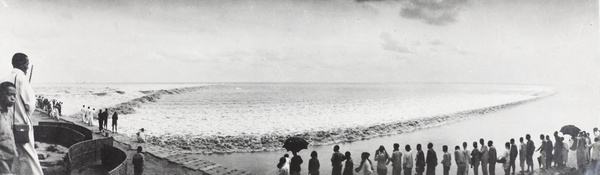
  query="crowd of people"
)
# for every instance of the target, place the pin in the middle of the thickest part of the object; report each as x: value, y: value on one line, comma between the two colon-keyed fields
x: 51, y: 107
x: 578, y: 155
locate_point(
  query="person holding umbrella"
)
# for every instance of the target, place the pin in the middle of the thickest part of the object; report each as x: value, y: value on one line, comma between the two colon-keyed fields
x: 295, y: 144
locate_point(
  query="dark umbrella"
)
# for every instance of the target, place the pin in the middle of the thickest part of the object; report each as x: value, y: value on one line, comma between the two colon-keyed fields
x: 570, y: 129
x: 295, y: 144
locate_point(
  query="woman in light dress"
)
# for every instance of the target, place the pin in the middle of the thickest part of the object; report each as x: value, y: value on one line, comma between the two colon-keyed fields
x: 572, y: 155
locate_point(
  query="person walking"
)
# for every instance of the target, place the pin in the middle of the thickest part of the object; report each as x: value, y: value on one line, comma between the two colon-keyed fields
x: 407, y: 161
x: 8, y: 149
x: 522, y: 154
x: 382, y: 157
x: 115, y: 118
x: 348, y: 165
x: 513, y: 155
x: 431, y: 160
x: 530, y: 150
x: 467, y: 156
x: 446, y: 160
x: 420, y: 161
x: 484, y: 151
x: 22, y: 110
x: 366, y: 166
x: 336, y: 161
x: 313, y: 164
x: 138, y: 162
x: 492, y: 157
x: 460, y: 160
x: 475, y: 159
x: 396, y: 160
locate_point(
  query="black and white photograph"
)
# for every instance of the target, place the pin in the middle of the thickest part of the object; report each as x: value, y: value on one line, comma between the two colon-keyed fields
x: 296, y: 87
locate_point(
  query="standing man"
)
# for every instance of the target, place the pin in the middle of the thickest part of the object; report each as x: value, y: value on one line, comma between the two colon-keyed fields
x: 105, y: 119
x: 475, y: 159
x: 23, y: 109
x: 396, y: 160
x: 467, y: 157
x: 8, y: 149
x: 115, y: 117
x: 459, y: 157
x: 420, y: 161
x: 446, y: 160
x: 407, y: 164
x: 138, y: 162
x: 484, y: 157
x: 549, y: 156
x: 530, y: 150
x: 336, y: 161
x: 100, y: 123
x: 493, y: 157
x: 522, y: 154
x: 89, y: 116
x: 431, y: 160
x: 513, y: 155
x: 84, y: 115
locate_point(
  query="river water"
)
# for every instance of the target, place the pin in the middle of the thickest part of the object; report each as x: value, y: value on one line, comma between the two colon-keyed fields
x: 577, y: 105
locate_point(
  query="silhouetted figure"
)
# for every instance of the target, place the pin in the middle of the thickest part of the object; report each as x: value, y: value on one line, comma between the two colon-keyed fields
x: 336, y: 161
x: 313, y: 164
x: 348, y: 165
x: 431, y: 160
x: 138, y: 162
x: 420, y: 161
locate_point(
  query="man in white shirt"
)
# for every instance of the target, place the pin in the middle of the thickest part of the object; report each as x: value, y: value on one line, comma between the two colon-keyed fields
x: 23, y: 109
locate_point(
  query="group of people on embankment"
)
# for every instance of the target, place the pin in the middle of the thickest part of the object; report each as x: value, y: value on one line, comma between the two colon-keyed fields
x: 579, y: 155
x: 89, y: 114
x: 51, y: 107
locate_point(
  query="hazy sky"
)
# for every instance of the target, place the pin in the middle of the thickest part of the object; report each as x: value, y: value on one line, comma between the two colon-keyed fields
x: 491, y: 41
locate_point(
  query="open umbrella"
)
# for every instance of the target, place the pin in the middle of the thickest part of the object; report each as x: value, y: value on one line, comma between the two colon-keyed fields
x: 570, y: 129
x: 295, y: 144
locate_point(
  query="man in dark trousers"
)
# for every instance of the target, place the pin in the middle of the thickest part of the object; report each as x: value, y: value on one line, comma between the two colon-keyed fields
x: 420, y: 161
x: 100, y: 122
x: 138, y: 162
x: 492, y: 157
x: 513, y: 155
x: 336, y: 161
x: 431, y: 159
x: 530, y: 150
x: 105, y: 119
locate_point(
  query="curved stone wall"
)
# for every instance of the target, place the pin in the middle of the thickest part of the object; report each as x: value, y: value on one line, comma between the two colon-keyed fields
x: 83, y: 150
x: 86, y: 132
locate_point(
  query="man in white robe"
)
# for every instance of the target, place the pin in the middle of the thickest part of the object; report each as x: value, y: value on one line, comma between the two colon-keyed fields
x: 28, y: 162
